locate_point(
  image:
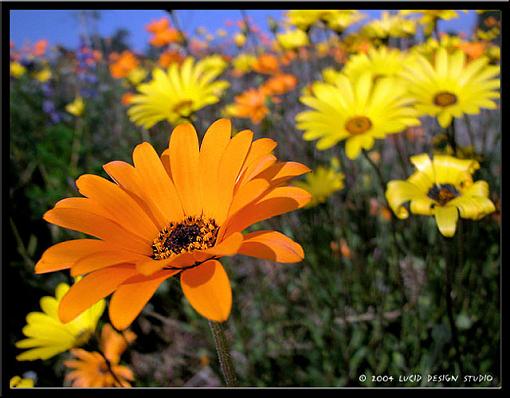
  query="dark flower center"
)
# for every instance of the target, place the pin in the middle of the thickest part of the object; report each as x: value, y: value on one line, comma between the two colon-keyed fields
x: 358, y: 125
x: 183, y: 107
x: 444, y: 98
x: 193, y: 233
x: 443, y: 193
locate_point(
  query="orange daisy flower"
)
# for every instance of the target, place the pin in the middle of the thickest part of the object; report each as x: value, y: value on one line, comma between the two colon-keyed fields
x: 250, y: 105
x: 279, y: 84
x: 266, y: 64
x: 174, y: 215
x: 122, y: 64
x: 91, y: 369
x: 158, y: 25
x: 162, y: 33
x: 40, y: 48
x: 169, y: 57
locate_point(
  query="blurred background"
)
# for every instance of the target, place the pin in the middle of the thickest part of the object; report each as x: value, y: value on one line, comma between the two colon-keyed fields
x: 353, y: 306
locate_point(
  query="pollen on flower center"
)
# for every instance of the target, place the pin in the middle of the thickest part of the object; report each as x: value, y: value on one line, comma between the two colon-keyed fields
x: 443, y: 193
x: 192, y: 233
x: 444, y: 98
x: 358, y: 125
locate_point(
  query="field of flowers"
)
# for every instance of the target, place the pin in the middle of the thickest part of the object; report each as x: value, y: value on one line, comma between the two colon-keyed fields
x: 311, y: 203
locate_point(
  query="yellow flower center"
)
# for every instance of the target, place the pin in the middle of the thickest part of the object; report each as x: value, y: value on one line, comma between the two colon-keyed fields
x: 182, y: 107
x: 193, y: 233
x: 358, y: 125
x: 445, y: 98
x: 443, y: 193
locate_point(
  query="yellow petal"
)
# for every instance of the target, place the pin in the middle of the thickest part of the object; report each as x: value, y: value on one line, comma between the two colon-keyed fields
x: 446, y: 219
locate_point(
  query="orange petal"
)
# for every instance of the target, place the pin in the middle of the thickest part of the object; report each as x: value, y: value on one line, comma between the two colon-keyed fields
x: 259, y: 148
x: 247, y: 194
x: 118, y: 204
x: 255, y: 169
x: 64, y: 254
x: 283, y: 171
x: 158, y: 187
x: 207, y: 288
x: 184, y: 164
x: 272, y: 245
x: 100, y: 227
x: 278, y: 201
x: 105, y: 259
x: 128, y: 179
x: 165, y: 159
x: 230, y: 166
x: 228, y: 247
x: 214, y: 143
x: 92, y: 288
x: 84, y: 204
x: 130, y: 297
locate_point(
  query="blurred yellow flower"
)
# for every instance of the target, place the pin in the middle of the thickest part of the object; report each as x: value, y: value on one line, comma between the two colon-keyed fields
x: 216, y: 62
x: 389, y: 26
x: 243, y: 63
x: 380, y: 62
x: 43, y: 75
x: 430, y: 46
x: 176, y: 94
x: 47, y: 336
x: 240, y: 39
x: 18, y: 382
x: 292, y: 39
x: 442, y: 187
x: 339, y: 20
x: 76, y: 107
x: 358, y: 111
x: 17, y: 69
x: 304, y: 19
x: 323, y: 182
x: 450, y: 87
x: 429, y: 18
x: 137, y: 75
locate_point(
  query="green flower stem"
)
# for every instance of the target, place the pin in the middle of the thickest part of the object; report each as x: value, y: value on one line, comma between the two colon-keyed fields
x: 449, y: 255
x: 224, y: 357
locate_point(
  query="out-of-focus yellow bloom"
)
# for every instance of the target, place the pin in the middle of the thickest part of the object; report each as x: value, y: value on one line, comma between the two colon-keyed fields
x: 358, y: 111
x: 389, y: 26
x: 76, y: 107
x: 18, y: 382
x: 292, y: 39
x: 240, y: 39
x: 442, y: 187
x: 380, y: 62
x: 323, y: 182
x: 331, y: 75
x: 137, y: 75
x: 304, y: 19
x: 243, y: 63
x: 176, y: 94
x: 488, y: 35
x: 451, y: 87
x: 429, y: 18
x: 339, y: 20
x: 43, y: 75
x: 47, y: 336
x: 214, y: 62
x: 17, y: 69
x: 430, y: 46
x: 494, y: 54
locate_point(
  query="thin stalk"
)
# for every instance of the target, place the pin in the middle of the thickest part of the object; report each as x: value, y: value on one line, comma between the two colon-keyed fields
x: 76, y: 145
x: 224, y: 357
x: 452, y: 139
x: 470, y: 131
x: 249, y: 32
x: 448, y: 256
x: 177, y: 25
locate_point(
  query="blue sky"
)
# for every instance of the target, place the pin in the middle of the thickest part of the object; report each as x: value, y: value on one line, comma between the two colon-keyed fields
x: 63, y: 26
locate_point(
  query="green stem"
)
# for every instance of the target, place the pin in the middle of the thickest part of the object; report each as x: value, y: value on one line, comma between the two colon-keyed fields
x: 224, y: 357
x: 449, y: 271
x: 470, y: 132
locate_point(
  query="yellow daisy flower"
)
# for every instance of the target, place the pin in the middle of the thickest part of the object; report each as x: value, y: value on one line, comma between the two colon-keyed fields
x: 389, y: 26
x: 380, y: 62
x: 18, y: 382
x: 46, y: 335
x: 17, y: 69
x: 323, y: 182
x: 292, y: 39
x: 216, y: 62
x: 339, y: 20
x: 176, y: 94
x: 43, y: 75
x: 429, y: 18
x: 243, y: 63
x: 358, y: 111
x: 137, y: 75
x: 451, y: 87
x: 240, y: 39
x: 76, y: 107
x: 304, y: 19
x: 442, y: 187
